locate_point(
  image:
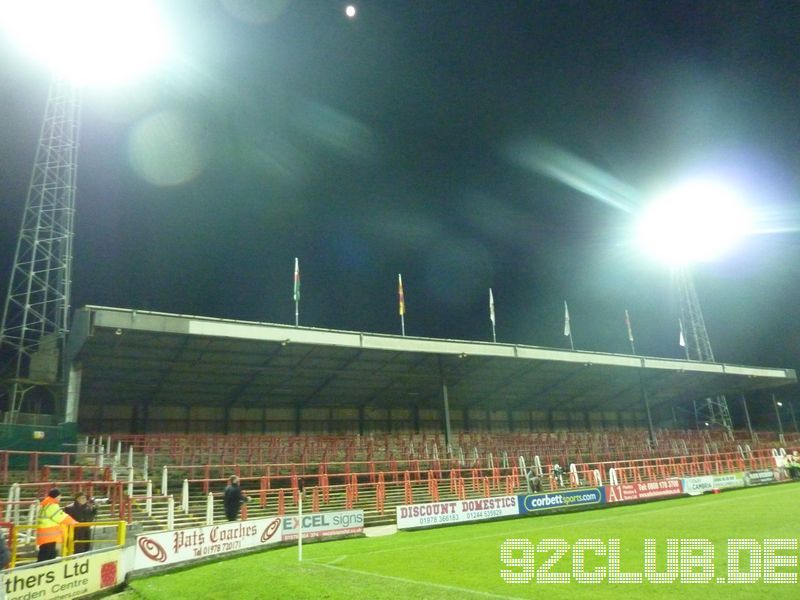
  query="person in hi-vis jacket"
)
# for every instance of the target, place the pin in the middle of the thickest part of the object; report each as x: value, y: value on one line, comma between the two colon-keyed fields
x: 50, y: 527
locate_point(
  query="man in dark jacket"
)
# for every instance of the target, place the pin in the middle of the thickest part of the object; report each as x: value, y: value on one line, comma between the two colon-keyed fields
x: 82, y: 511
x: 233, y: 498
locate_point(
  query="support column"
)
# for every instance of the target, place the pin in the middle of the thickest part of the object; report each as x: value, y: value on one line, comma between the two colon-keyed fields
x: 646, y: 402
x: 73, y: 394
x: 747, y: 418
x: 446, y: 414
x: 144, y: 417
x: 446, y: 402
x: 135, y: 420
x: 778, y: 415
x: 361, y: 420
x: 790, y: 403
x: 226, y: 419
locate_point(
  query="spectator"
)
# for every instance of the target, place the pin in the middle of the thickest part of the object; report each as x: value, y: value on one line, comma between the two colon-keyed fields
x: 534, y: 481
x: 792, y: 464
x: 5, y: 553
x: 50, y: 526
x: 83, y: 511
x: 557, y: 474
x: 233, y: 498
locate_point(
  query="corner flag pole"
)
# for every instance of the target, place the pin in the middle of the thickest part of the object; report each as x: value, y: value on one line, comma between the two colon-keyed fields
x: 300, y: 521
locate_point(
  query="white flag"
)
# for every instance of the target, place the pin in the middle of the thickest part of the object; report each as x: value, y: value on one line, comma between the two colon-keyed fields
x: 681, y: 339
x: 296, y: 284
x: 491, y: 306
x: 567, y: 330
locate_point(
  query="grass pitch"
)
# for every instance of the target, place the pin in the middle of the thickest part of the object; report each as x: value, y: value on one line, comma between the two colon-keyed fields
x: 463, y: 561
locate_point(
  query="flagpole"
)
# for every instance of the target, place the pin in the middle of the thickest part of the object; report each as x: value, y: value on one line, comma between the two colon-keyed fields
x: 491, y: 316
x: 296, y: 292
x: 401, y: 301
x: 651, y: 432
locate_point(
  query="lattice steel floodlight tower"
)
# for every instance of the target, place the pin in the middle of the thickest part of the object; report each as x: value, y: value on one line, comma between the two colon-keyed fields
x: 719, y: 219
x: 84, y: 43
x: 713, y: 411
x: 36, y: 309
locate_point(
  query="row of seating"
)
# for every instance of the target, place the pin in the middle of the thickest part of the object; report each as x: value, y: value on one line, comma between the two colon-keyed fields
x: 563, y: 446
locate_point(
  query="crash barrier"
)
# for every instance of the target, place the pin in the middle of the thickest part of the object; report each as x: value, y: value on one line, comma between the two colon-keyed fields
x: 17, y: 509
x: 109, y: 457
x: 270, y: 476
x: 361, y: 485
x: 95, y: 464
x: 559, y: 446
x: 22, y: 539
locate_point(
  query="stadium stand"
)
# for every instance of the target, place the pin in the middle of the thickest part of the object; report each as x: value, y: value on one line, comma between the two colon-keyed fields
x: 156, y: 482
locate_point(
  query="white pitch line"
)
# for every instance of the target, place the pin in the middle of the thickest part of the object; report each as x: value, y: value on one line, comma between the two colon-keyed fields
x: 441, y: 586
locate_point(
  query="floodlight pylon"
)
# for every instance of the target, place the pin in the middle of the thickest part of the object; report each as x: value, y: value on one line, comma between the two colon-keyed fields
x: 712, y: 410
x: 36, y: 310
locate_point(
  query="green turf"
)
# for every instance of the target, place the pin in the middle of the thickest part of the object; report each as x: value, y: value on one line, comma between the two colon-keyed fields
x: 464, y: 561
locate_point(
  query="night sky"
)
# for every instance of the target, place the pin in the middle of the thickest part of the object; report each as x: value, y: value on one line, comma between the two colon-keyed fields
x: 401, y: 141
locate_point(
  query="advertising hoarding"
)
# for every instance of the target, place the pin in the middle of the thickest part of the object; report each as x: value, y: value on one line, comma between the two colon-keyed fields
x: 181, y: 545
x: 72, y: 577
x: 324, y: 524
x: 455, y: 511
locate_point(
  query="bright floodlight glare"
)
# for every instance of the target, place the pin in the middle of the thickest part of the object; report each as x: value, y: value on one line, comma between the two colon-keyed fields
x: 694, y: 222
x: 102, y: 42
